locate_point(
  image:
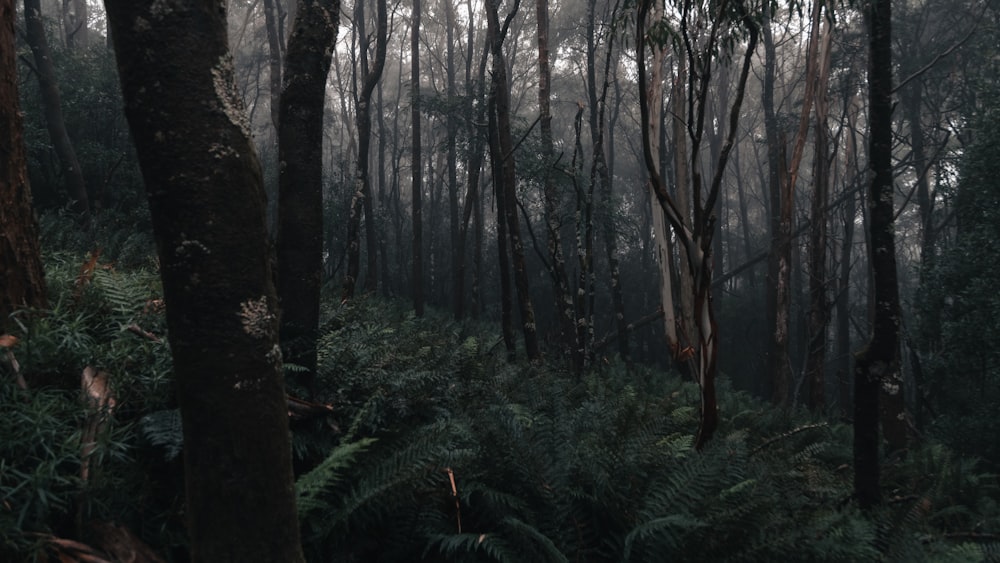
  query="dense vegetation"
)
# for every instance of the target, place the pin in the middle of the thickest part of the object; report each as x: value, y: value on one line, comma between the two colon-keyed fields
x: 438, y: 449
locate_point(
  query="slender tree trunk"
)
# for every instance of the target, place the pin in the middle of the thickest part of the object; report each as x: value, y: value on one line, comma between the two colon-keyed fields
x: 474, y: 113
x: 599, y: 173
x: 819, y: 308
x: 362, y: 199
x: 503, y: 248
x: 415, y: 164
x: 75, y: 24
x: 276, y: 48
x: 876, y: 369
x: 52, y: 107
x: 20, y: 253
x: 564, y: 307
x: 509, y: 187
x: 207, y: 203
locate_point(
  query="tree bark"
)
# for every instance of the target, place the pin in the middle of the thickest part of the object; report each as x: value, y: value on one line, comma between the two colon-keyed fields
x: 819, y: 308
x: 361, y: 201
x: 75, y: 24
x: 275, y: 53
x: 564, y: 303
x: 207, y: 203
x: 877, y: 370
x: 52, y: 107
x: 415, y: 164
x: 20, y: 253
x: 599, y: 173
x: 508, y: 171
x: 300, y: 180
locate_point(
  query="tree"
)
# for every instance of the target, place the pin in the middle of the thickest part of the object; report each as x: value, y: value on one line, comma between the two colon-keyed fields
x: 877, y: 366
x: 300, y: 180
x: 20, y: 256
x: 362, y: 198
x: 52, y: 106
x: 505, y: 172
x: 697, y: 356
x: 207, y: 202
x: 75, y: 27
x: 415, y: 163
x: 564, y: 307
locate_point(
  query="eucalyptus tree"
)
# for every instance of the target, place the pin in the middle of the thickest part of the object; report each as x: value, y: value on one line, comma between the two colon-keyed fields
x: 694, y: 344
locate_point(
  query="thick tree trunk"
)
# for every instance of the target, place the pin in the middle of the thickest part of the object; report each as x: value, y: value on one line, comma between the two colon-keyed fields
x: 20, y: 254
x: 52, y: 106
x: 207, y: 203
x: 300, y: 181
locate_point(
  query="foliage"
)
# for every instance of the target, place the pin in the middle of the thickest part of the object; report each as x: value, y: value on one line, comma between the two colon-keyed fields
x: 959, y: 333
x: 439, y: 450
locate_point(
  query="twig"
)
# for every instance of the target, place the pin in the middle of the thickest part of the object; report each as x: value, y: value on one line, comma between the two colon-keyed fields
x: 136, y: 329
x: 788, y: 434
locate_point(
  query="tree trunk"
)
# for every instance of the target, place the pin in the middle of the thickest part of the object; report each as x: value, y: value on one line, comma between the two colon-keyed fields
x: 207, y: 203
x: 52, y: 106
x: 509, y: 187
x: 20, y: 252
x: 877, y: 367
x: 503, y: 249
x: 361, y: 201
x: 563, y: 300
x: 415, y: 165
x: 75, y: 24
x: 275, y: 53
x: 300, y: 181
x: 695, y: 231
x: 819, y: 308
x: 599, y: 173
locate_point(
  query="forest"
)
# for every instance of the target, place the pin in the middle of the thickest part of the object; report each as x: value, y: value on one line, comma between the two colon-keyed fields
x: 481, y: 280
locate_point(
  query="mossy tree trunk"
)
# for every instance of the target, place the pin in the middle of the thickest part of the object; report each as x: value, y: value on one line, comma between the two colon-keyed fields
x: 207, y: 203
x: 300, y: 180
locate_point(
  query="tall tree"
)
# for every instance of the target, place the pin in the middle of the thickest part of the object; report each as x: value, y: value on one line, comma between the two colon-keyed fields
x: 599, y: 170
x: 694, y: 232
x: 362, y: 198
x: 207, y: 202
x: 819, y: 308
x: 75, y: 25
x: 877, y: 366
x: 34, y: 30
x: 20, y: 256
x: 564, y: 306
x: 503, y: 161
x: 300, y: 180
x: 415, y: 164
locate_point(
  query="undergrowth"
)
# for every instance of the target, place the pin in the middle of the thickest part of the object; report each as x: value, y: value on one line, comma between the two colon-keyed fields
x: 437, y: 449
